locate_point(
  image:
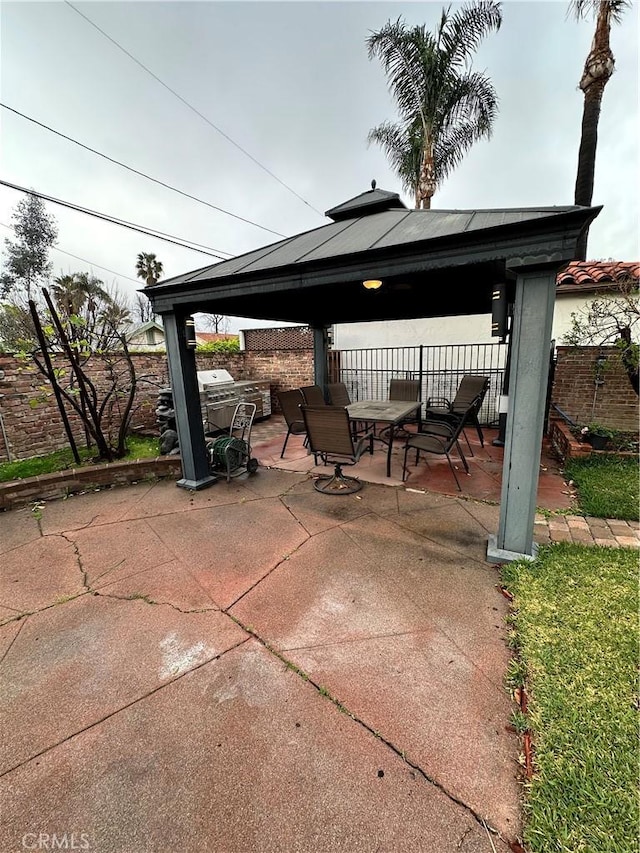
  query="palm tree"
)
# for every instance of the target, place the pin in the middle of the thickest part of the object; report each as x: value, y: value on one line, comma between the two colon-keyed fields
x: 444, y: 107
x: 597, y: 70
x: 149, y: 268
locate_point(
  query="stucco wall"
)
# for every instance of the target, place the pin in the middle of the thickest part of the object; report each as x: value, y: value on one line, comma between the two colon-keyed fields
x: 438, y: 331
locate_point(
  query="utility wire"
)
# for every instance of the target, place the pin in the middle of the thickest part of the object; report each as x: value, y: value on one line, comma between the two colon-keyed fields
x: 123, y: 223
x: 192, y: 108
x: 78, y: 258
x: 137, y: 172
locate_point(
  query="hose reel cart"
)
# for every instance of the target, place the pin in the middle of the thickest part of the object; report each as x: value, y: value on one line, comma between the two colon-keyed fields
x: 231, y: 453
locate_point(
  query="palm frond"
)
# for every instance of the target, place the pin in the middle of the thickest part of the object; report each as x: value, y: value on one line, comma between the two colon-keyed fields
x: 582, y: 9
x: 461, y: 33
x: 401, y: 53
x: 403, y: 149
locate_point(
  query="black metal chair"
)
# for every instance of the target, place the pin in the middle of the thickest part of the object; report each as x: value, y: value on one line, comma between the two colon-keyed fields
x: 438, y: 437
x: 290, y: 402
x: 330, y: 437
x: 471, y: 393
x: 338, y: 394
x: 403, y: 389
x: 313, y: 395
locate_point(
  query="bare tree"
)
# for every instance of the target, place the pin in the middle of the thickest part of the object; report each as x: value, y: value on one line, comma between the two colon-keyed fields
x: 613, y: 318
x: 142, y: 310
x: 85, y: 328
x: 217, y: 323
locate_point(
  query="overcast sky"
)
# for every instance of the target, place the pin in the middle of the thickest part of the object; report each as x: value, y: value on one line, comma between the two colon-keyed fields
x: 291, y: 84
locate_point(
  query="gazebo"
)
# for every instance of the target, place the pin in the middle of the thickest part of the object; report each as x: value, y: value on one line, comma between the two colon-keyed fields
x: 430, y: 263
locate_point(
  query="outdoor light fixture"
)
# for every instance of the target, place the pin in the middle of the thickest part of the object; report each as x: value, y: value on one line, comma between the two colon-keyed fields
x: 372, y: 283
x: 190, y: 332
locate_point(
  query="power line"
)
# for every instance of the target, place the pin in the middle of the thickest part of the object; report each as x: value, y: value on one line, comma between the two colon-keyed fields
x: 137, y: 172
x: 123, y: 223
x: 78, y: 258
x: 192, y: 108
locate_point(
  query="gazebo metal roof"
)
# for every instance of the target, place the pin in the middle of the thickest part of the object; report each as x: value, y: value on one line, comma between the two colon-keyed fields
x: 314, y: 277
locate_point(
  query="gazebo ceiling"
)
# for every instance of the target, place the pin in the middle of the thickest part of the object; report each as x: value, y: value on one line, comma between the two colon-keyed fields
x: 431, y: 262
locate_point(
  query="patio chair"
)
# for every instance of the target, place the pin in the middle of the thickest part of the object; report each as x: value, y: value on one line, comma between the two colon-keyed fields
x: 330, y: 437
x: 290, y: 402
x: 403, y: 389
x: 313, y: 395
x: 471, y: 390
x: 338, y: 394
x: 438, y: 437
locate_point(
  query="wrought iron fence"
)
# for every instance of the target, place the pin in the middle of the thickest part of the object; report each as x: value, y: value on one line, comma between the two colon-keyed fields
x: 367, y: 372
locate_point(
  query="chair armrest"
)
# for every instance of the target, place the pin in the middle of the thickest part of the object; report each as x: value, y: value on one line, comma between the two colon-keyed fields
x: 414, y: 441
x: 437, y: 427
x: 439, y: 403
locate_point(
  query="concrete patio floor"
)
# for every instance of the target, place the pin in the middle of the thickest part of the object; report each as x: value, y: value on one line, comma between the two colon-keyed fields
x: 255, y: 667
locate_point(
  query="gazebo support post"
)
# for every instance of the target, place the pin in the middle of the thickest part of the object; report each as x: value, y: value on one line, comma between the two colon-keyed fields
x: 186, y: 403
x: 321, y: 357
x: 529, y: 373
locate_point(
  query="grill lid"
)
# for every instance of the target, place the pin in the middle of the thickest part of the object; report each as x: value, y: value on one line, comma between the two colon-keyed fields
x: 213, y: 378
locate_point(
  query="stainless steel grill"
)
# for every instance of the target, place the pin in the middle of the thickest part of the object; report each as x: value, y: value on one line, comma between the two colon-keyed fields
x: 220, y: 394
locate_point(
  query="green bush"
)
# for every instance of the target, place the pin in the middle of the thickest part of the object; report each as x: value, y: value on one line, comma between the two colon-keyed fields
x: 230, y: 345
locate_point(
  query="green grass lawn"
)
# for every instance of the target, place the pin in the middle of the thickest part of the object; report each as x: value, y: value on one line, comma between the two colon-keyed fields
x: 576, y: 631
x: 139, y: 447
x: 607, y: 486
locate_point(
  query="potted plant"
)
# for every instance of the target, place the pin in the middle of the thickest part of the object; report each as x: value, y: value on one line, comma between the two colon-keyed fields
x: 597, y: 435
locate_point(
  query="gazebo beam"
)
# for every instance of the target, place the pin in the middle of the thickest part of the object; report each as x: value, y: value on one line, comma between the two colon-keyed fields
x: 186, y: 404
x: 321, y: 356
x: 529, y: 375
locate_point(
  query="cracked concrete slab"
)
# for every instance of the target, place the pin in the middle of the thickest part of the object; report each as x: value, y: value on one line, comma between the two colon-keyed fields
x: 165, y: 497
x: 116, y: 551
x: 17, y: 528
x: 115, y: 714
x: 170, y: 583
x: 95, y: 507
x: 39, y: 573
x: 229, y: 548
x: 240, y: 755
x: 8, y: 634
x: 453, y: 719
x: 326, y: 592
x: 74, y: 664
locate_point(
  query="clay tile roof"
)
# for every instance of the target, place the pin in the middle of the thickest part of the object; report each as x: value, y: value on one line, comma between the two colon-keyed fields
x: 596, y: 275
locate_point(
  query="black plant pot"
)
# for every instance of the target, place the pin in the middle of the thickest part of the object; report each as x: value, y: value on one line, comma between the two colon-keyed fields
x: 599, y: 442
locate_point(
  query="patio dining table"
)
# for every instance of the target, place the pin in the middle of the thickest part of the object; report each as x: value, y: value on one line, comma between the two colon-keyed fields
x: 391, y: 412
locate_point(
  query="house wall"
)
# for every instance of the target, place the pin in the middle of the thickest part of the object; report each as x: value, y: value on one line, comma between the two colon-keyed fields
x: 587, y: 394
x: 439, y: 331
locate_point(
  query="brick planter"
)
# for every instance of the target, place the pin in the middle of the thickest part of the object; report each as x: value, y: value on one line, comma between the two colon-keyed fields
x: 566, y: 446
x: 20, y: 492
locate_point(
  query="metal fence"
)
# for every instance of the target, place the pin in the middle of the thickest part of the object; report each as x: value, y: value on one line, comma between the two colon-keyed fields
x: 367, y: 372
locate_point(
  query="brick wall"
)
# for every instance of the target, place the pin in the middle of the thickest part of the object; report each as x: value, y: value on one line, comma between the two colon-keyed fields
x: 30, y: 415
x: 33, y: 425
x: 587, y: 394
